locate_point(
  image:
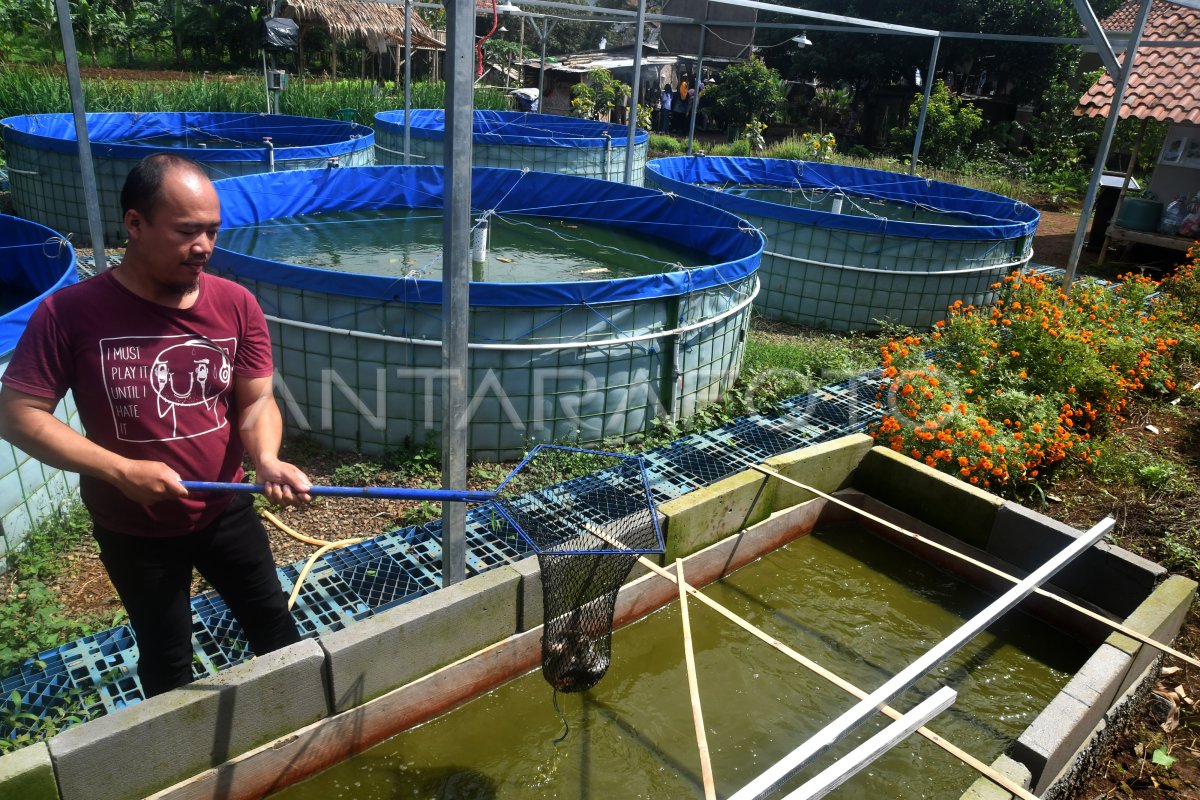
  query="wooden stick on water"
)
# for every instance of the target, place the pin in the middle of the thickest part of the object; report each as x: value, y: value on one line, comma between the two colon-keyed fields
x: 689, y: 657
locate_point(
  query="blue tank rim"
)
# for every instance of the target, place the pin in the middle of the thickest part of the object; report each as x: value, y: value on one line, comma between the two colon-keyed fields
x: 21, y: 236
x: 309, y: 137
x: 996, y: 217
x: 514, y: 128
x: 735, y: 246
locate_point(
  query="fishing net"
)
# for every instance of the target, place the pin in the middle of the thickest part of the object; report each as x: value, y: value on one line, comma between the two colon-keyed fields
x: 588, y: 516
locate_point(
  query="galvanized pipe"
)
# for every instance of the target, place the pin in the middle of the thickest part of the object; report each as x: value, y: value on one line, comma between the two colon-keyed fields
x: 456, y: 280
x: 635, y: 90
x: 87, y: 171
x: 1121, y: 82
x: 933, y: 57
x: 408, y: 78
x: 697, y: 79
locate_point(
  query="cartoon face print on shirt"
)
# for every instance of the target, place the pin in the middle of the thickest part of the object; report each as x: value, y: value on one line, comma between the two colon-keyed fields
x: 171, y: 387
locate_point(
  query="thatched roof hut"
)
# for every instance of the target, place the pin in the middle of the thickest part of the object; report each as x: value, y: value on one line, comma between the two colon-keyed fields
x: 378, y: 25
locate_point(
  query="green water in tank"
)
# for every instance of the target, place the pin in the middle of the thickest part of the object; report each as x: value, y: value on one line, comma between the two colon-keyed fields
x: 854, y: 604
x: 851, y: 205
x: 406, y: 242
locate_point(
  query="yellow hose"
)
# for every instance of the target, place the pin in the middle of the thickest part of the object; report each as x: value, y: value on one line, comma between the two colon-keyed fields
x: 324, y: 547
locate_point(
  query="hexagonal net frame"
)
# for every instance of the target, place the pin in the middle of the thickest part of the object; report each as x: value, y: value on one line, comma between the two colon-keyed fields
x: 588, y: 516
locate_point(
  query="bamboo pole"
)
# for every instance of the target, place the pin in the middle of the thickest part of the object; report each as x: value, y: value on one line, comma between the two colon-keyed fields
x: 1001, y: 780
x: 1087, y: 612
x: 689, y: 657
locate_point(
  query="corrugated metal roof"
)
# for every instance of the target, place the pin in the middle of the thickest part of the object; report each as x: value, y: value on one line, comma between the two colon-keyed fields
x: 1165, y: 84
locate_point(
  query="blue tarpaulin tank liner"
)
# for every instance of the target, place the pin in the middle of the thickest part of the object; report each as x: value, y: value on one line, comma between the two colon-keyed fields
x: 991, y: 216
x: 565, y: 362
x: 851, y: 248
x: 121, y: 135
x: 43, y: 157
x: 734, y: 248
x: 514, y: 128
x: 34, y: 262
x: 518, y: 140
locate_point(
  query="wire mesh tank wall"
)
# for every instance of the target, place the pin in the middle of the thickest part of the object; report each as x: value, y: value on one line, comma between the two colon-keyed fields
x: 43, y: 157
x: 519, y: 140
x: 36, y: 262
x: 848, y: 247
x: 560, y: 359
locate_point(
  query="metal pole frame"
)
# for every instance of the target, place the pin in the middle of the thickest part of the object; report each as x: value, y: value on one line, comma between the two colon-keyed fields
x: 635, y: 91
x: 933, y: 57
x: 1120, y: 83
x: 87, y: 170
x: 407, y: 80
x: 543, y: 34
x: 698, y: 80
x: 456, y: 280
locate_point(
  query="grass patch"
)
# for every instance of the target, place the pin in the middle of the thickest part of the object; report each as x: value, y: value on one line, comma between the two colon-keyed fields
x: 31, y: 618
x: 42, y: 91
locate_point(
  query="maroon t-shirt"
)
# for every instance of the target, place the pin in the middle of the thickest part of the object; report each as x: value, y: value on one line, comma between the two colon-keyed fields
x: 151, y: 383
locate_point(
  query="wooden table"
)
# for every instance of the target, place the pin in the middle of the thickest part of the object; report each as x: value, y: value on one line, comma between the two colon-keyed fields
x: 1116, y: 233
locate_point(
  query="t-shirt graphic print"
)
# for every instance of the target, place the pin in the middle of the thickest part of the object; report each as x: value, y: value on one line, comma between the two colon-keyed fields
x: 161, y: 388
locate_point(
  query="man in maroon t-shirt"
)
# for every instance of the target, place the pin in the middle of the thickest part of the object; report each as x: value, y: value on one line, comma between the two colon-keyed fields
x: 171, y: 371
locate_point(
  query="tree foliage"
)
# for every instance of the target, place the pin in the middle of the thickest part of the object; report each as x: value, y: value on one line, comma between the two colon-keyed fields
x: 950, y: 126
x: 747, y: 91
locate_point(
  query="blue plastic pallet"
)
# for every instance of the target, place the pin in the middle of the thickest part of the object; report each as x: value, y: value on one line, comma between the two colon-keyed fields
x: 376, y: 576
x: 325, y: 603
x: 106, y: 663
x: 218, y: 626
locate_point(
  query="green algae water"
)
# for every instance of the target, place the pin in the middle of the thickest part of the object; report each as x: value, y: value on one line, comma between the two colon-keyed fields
x: 841, y: 597
x: 406, y: 242
x: 818, y: 200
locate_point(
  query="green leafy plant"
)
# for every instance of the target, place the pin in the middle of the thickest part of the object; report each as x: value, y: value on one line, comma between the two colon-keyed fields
x: 359, y: 473
x: 950, y: 125
x: 25, y: 727
x: 748, y: 91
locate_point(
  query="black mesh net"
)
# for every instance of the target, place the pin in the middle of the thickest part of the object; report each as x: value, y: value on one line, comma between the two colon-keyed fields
x: 588, y: 516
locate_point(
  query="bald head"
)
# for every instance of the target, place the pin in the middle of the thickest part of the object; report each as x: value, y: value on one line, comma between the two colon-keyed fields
x: 143, y: 187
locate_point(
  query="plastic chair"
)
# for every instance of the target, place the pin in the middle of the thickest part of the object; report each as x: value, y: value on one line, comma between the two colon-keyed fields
x: 346, y: 114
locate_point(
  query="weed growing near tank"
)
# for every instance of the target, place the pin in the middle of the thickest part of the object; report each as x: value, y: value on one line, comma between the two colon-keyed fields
x: 31, y: 619
x: 1000, y: 396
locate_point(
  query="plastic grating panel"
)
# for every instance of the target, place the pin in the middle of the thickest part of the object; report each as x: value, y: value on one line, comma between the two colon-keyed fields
x: 759, y: 438
x: 325, y: 602
x: 43, y: 666
x: 106, y: 663
x: 698, y: 459
x: 380, y: 579
x: 216, y: 633
x: 38, y: 698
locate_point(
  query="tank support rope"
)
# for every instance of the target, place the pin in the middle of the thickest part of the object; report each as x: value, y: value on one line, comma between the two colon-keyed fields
x: 916, y: 537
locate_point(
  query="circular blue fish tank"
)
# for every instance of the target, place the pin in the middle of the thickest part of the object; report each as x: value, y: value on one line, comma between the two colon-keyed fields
x: 36, y: 262
x: 850, y: 248
x: 518, y: 140
x: 557, y: 354
x: 43, y: 155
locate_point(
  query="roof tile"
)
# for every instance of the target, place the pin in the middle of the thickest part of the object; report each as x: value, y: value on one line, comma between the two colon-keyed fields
x: 1165, y: 84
